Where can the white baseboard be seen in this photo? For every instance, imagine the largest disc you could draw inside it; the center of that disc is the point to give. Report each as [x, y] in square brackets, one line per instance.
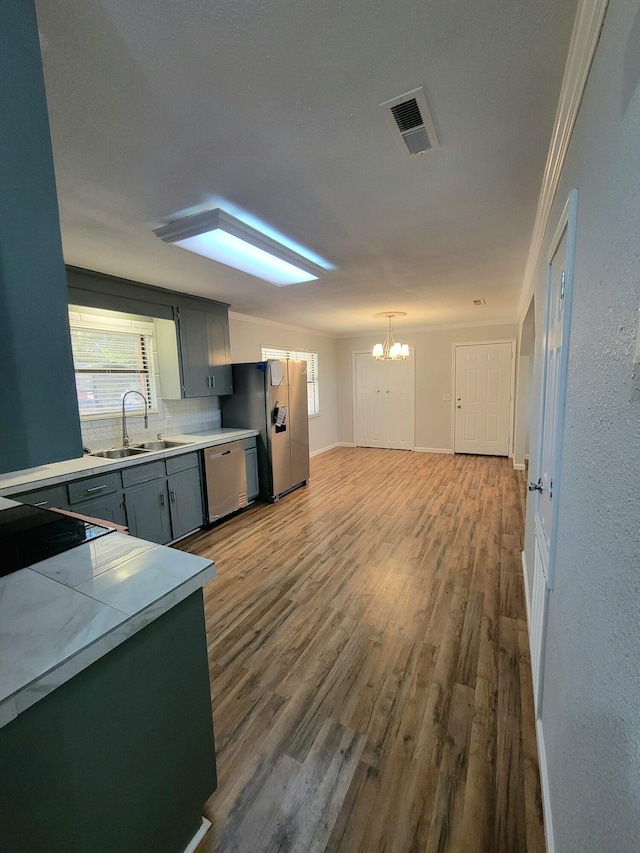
[331, 447]
[525, 575]
[519, 466]
[433, 450]
[544, 784]
[205, 826]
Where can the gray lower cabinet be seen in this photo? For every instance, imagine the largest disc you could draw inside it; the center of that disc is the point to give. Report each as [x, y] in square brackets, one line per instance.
[184, 484]
[185, 502]
[99, 497]
[147, 505]
[148, 512]
[164, 498]
[251, 459]
[159, 501]
[110, 508]
[50, 496]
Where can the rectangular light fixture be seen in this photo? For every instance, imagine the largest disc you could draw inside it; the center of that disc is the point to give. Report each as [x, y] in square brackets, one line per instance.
[221, 237]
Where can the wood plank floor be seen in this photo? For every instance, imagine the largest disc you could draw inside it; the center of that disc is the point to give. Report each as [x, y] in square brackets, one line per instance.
[369, 662]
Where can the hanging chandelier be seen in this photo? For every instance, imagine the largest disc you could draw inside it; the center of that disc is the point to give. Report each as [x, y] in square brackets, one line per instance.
[389, 350]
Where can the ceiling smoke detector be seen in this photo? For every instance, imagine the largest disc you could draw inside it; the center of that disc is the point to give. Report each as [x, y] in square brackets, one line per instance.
[410, 122]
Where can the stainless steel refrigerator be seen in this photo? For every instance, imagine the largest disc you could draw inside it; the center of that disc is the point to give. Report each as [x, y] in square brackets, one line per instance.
[271, 396]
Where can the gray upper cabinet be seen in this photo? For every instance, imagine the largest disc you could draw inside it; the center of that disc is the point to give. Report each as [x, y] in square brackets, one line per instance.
[204, 353]
[193, 348]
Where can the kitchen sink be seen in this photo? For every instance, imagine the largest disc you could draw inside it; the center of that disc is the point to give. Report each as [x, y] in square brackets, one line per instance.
[119, 452]
[162, 444]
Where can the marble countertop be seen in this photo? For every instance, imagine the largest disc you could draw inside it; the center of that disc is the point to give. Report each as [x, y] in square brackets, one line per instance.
[60, 615]
[85, 466]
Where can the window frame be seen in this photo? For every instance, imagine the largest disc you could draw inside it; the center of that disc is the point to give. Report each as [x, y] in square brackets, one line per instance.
[144, 331]
[271, 353]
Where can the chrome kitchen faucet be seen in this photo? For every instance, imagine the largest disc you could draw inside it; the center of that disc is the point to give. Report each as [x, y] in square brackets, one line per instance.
[125, 437]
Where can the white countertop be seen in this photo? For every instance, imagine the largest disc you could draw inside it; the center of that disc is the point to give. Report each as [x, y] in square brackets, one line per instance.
[60, 615]
[85, 466]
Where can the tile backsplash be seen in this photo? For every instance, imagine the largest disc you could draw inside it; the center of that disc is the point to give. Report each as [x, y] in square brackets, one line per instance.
[173, 417]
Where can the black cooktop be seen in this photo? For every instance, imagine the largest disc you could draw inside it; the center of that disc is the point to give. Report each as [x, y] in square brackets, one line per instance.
[29, 534]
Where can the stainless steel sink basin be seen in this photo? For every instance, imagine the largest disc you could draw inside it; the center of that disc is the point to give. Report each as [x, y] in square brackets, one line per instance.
[119, 452]
[161, 444]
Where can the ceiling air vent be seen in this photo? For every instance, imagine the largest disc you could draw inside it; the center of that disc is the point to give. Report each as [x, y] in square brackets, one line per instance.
[411, 124]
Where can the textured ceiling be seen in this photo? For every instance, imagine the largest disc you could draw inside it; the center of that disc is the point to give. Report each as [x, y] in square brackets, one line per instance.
[271, 107]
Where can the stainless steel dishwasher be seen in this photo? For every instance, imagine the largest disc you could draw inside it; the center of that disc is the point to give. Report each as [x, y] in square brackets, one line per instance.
[226, 478]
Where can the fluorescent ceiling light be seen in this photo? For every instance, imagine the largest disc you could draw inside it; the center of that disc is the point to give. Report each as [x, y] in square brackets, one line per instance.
[217, 235]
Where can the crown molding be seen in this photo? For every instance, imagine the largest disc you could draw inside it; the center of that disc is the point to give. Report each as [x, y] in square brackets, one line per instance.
[433, 328]
[261, 321]
[584, 41]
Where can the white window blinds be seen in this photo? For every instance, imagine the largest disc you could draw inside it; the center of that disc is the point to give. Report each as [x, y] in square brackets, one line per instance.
[313, 385]
[108, 363]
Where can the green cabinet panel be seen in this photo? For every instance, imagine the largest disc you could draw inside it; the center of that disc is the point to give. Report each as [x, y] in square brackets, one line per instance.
[147, 508]
[204, 353]
[39, 421]
[185, 502]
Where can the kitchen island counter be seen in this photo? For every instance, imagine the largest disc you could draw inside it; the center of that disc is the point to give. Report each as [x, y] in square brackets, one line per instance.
[60, 615]
[106, 732]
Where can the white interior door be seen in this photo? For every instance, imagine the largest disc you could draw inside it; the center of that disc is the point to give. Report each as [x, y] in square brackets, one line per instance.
[384, 404]
[545, 488]
[483, 380]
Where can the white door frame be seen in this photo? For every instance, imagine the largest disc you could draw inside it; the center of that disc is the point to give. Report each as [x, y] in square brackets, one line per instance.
[567, 222]
[513, 343]
[544, 575]
[354, 388]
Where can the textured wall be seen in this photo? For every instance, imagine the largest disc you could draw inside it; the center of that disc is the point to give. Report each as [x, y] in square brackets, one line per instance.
[590, 714]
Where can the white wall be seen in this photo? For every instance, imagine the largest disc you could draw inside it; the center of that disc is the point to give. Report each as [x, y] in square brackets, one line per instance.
[525, 403]
[434, 377]
[250, 334]
[591, 698]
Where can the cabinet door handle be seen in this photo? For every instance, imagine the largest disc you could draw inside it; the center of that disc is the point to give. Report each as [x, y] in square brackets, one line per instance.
[96, 489]
[172, 496]
[162, 502]
[213, 381]
[41, 503]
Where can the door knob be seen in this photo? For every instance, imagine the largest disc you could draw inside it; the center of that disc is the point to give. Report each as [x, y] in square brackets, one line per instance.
[536, 487]
[458, 406]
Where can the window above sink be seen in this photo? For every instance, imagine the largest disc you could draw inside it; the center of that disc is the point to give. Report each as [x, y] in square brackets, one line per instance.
[113, 353]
